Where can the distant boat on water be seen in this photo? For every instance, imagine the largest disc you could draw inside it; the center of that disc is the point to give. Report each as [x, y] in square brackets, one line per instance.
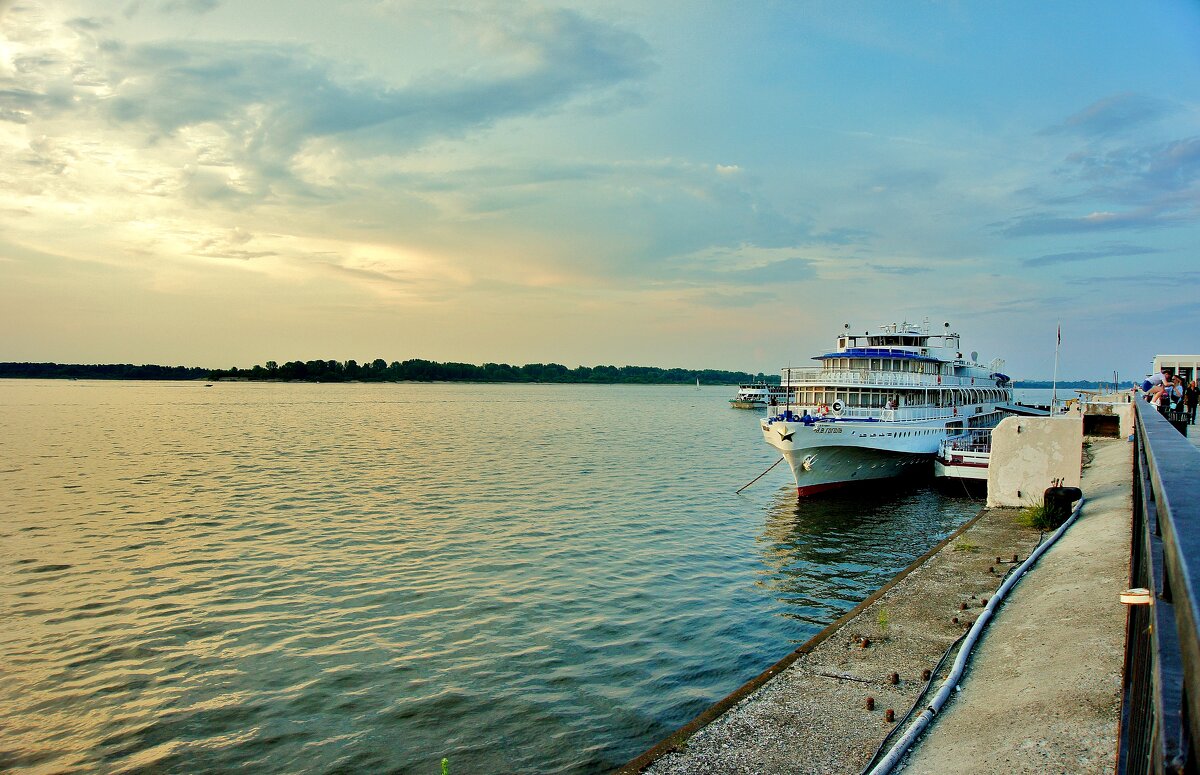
[758, 395]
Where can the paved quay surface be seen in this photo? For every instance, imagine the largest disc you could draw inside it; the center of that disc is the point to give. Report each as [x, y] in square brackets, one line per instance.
[1041, 693]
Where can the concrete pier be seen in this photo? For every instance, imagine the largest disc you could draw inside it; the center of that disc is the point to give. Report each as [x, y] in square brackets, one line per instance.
[1042, 690]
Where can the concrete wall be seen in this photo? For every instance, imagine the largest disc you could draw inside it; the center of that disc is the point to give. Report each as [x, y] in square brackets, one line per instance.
[1128, 421]
[1028, 452]
[1123, 411]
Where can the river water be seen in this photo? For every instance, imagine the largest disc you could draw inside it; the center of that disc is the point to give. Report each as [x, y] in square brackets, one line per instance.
[369, 578]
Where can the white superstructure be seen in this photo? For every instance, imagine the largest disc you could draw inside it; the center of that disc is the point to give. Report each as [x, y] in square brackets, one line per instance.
[880, 403]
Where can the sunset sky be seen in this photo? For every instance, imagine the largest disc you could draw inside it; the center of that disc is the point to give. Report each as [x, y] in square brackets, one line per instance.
[693, 184]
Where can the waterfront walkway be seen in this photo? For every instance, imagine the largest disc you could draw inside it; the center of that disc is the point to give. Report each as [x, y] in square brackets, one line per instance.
[1041, 692]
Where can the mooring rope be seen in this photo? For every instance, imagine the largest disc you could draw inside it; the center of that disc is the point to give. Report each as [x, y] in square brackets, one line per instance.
[760, 476]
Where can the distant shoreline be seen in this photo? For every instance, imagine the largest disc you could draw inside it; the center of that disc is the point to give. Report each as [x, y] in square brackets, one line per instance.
[428, 371]
[380, 371]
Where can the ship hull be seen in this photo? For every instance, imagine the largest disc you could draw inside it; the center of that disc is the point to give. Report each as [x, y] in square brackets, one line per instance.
[957, 468]
[824, 456]
[828, 467]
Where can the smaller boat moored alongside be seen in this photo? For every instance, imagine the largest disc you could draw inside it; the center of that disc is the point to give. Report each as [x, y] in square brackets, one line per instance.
[964, 456]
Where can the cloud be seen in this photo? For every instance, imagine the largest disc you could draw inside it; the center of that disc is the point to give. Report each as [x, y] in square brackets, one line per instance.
[1138, 173]
[188, 6]
[1135, 187]
[263, 102]
[732, 269]
[724, 299]
[1150, 279]
[231, 245]
[87, 24]
[1110, 250]
[788, 270]
[899, 271]
[1100, 221]
[1113, 115]
[843, 236]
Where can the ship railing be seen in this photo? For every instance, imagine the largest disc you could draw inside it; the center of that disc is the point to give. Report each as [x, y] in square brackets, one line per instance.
[970, 440]
[1160, 704]
[909, 414]
[876, 378]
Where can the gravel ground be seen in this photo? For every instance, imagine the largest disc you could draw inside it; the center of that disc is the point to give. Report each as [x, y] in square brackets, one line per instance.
[812, 717]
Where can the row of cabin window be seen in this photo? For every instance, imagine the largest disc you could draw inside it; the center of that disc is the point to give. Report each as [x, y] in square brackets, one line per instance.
[884, 364]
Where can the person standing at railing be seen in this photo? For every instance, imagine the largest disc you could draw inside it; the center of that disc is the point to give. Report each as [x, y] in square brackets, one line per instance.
[1191, 395]
[1152, 385]
[1168, 397]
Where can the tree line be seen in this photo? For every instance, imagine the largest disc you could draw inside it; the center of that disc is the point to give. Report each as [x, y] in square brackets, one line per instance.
[379, 370]
[100, 371]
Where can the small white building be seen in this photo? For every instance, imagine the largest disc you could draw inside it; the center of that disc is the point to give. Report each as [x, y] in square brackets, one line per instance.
[1186, 366]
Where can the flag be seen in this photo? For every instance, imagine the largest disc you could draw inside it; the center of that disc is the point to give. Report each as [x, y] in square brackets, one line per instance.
[1060, 333]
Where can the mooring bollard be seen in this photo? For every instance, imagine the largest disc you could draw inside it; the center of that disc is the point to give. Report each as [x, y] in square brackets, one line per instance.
[1056, 501]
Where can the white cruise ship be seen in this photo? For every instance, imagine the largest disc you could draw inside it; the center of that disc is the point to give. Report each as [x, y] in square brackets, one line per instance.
[880, 404]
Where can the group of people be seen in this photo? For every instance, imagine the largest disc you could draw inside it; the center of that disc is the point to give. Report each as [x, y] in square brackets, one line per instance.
[1167, 391]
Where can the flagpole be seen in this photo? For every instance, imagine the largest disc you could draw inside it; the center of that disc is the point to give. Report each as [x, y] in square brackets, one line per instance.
[1054, 385]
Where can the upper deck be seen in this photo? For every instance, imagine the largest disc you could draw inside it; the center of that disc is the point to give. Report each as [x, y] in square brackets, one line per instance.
[979, 377]
[898, 355]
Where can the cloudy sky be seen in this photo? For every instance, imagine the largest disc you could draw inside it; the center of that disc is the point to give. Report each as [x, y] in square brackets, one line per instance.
[695, 184]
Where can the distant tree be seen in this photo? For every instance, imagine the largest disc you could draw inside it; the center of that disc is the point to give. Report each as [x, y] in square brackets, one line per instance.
[414, 370]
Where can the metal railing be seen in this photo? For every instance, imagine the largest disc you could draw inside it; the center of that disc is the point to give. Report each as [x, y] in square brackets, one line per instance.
[1160, 705]
[904, 414]
[877, 378]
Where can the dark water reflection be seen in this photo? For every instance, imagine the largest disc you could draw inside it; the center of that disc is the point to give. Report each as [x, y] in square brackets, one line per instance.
[367, 578]
[866, 535]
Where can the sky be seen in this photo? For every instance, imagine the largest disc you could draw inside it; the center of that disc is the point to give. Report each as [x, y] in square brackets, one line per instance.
[695, 184]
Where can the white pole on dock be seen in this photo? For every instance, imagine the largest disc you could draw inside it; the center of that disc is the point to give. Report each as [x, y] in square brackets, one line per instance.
[1054, 384]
